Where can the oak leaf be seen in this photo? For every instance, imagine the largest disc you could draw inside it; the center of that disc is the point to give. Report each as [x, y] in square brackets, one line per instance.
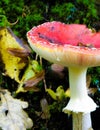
[12, 115]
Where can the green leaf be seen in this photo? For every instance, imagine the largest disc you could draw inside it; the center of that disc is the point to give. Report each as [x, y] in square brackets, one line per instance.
[58, 95]
[51, 93]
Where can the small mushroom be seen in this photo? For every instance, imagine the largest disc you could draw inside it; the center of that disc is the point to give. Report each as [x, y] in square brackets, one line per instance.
[60, 43]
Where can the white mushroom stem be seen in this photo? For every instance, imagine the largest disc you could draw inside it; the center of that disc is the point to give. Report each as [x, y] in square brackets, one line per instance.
[77, 80]
[79, 102]
[82, 121]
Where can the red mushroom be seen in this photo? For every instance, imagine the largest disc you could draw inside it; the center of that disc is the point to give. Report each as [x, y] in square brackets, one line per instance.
[74, 46]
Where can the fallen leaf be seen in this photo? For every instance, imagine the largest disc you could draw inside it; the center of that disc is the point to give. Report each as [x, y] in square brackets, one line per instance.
[51, 93]
[58, 95]
[44, 114]
[18, 52]
[12, 64]
[12, 115]
[34, 80]
[33, 74]
[45, 109]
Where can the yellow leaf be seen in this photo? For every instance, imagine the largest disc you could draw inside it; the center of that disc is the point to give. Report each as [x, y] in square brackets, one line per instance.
[60, 92]
[51, 93]
[58, 95]
[12, 64]
[20, 89]
[67, 93]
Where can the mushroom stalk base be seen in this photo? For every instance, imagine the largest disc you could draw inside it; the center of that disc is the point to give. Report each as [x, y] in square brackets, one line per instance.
[81, 121]
[79, 100]
[80, 104]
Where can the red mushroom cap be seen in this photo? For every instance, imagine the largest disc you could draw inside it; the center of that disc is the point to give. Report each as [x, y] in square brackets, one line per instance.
[66, 44]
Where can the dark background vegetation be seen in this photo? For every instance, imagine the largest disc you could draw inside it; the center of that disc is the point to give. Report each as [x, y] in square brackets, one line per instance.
[21, 16]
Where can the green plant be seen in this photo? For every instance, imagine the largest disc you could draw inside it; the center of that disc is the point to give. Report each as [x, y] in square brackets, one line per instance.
[25, 14]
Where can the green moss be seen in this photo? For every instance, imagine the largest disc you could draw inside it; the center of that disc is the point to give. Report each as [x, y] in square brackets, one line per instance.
[26, 14]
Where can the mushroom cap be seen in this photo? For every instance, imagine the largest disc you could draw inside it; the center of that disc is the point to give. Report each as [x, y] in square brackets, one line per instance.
[66, 44]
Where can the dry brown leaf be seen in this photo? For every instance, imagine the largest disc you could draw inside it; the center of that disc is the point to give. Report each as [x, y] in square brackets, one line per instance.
[44, 114]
